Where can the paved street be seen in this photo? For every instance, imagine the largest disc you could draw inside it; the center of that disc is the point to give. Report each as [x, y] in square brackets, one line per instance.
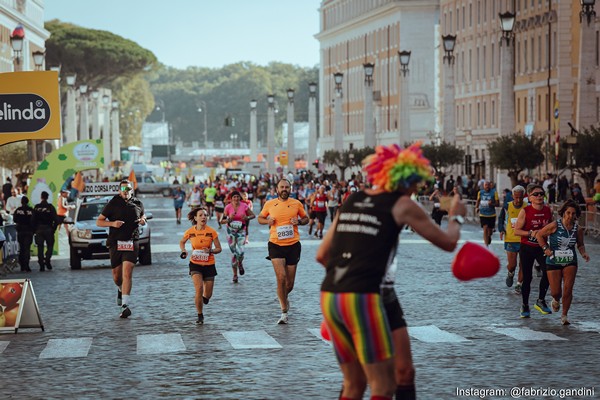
[464, 335]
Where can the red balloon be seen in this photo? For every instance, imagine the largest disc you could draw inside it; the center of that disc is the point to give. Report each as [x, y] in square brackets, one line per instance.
[474, 261]
[325, 331]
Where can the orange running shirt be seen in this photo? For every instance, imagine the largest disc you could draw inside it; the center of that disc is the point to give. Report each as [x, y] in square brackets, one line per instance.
[201, 240]
[283, 233]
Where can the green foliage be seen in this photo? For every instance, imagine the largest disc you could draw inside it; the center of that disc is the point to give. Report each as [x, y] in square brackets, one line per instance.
[226, 92]
[14, 157]
[516, 153]
[587, 155]
[443, 155]
[346, 158]
[98, 57]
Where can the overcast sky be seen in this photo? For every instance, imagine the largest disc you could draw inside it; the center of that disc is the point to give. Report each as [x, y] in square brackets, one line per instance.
[205, 33]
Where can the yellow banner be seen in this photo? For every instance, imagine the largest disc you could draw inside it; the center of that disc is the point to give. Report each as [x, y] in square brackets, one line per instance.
[29, 106]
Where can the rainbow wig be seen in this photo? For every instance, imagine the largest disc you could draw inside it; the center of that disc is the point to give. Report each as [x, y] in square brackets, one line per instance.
[392, 168]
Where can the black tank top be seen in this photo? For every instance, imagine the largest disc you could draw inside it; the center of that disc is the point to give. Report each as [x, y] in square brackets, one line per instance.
[364, 244]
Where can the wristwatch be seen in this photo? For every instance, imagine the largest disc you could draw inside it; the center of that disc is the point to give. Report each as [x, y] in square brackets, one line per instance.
[458, 218]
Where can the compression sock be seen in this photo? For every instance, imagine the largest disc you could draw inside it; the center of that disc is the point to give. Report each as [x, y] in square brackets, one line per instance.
[407, 392]
[125, 300]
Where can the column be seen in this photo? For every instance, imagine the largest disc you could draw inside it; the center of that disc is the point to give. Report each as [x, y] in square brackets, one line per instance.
[115, 132]
[369, 128]
[290, 132]
[106, 131]
[84, 123]
[271, 134]
[404, 134]
[95, 115]
[449, 122]
[71, 115]
[253, 132]
[312, 125]
[586, 93]
[507, 88]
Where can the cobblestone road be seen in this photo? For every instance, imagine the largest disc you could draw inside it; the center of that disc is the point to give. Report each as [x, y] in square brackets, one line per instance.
[464, 335]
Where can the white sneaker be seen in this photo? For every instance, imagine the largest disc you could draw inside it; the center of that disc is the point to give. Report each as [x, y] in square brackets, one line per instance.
[283, 319]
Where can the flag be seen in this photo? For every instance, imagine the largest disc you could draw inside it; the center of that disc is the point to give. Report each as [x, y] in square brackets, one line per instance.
[78, 182]
[133, 179]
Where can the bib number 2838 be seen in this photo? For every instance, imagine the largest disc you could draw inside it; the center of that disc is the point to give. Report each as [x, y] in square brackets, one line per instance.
[285, 232]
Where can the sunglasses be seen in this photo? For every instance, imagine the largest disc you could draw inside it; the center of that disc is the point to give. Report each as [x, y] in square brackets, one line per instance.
[126, 188]
[537, 194]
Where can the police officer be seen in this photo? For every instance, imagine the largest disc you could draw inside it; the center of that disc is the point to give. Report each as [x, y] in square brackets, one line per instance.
[23, 219]
[124, 213]
[44, 222]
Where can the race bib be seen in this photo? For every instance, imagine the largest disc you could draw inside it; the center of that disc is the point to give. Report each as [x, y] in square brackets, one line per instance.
[236, 224]
[285, 232]
[436, 205]
[563, 256]
[125, 245]
[219, 204]
[320, 204]
[513, 221]
[484, 203]
[200, 256]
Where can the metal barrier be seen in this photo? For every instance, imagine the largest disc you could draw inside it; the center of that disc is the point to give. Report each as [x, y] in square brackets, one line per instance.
[10, 249]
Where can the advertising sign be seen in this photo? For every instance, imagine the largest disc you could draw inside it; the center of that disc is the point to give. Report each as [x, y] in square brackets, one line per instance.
[29, 106]
[18, 306]
[101, 189]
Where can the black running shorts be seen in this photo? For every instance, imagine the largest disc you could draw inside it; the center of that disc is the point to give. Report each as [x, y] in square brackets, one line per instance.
[291, 253]
[208, 272]
[117, 257]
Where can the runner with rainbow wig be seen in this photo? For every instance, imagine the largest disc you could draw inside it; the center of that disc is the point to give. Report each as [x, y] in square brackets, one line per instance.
[358, 301]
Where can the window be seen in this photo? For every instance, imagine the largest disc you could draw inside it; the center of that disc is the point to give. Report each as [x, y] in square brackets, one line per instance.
[493, 113]
[484, 63]
[539, 109]
[547, 107]
[525, 69]
[470, 65]
[540, 52]
[518, 110]
[525, 109]
[518, 56]
[477, 64]
[596, 48]
[547, 51]
[464, 13]
[533, 54]
[478, 115]
[470, 15]
[493, 61]
[485, 114]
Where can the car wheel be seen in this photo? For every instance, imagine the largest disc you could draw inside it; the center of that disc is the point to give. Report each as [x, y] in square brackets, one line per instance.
[75, 260]
[145, 256]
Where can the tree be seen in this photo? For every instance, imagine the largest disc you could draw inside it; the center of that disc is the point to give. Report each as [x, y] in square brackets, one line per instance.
[443, 155]
[586, 156]
[346, 158]
[14, 157]
[516, 153]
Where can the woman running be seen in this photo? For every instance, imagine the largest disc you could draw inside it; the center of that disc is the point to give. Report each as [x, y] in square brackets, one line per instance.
[246, 199]
[205, 243]
[558, 240]
[236, 216]
[220, 206]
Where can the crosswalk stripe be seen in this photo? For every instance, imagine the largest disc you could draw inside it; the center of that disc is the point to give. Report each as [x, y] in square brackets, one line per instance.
[526, 334]
[3, 346]
[67, 348]
[251, 340]
[588, 326]
[433, 334]
[160, 343]
[317, 333]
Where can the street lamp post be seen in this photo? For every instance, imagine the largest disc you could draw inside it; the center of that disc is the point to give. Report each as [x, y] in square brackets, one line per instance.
[71, 111]
[370, 140]
[204, 111]
[290, 133]
[312, 123]
[404, 126]
[571, 144]
[16, 42]
[253, 131]
[507, 71]
[271, 132]
[116, 134]
[38, 59]
[106, 100]
[586, 93]
[95, 114]
[338, 138]
[449, 122]
[84, 124]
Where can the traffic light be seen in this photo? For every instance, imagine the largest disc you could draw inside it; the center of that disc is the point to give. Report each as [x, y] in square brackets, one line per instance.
[227, 121]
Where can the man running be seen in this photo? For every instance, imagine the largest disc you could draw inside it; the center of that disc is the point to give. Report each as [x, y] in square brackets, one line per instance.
[487, 200]
[123, 214]
[512, 243]
[283, 215]
[209, 198]
[530, 220]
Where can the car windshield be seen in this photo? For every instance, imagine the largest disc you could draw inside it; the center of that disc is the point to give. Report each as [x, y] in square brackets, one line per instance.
[90, 211]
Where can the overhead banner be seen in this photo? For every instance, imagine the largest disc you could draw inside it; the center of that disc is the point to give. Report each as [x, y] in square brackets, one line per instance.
[18, 306]
[29, 106]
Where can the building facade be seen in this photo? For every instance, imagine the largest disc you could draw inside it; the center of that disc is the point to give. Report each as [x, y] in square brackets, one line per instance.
[355, 32]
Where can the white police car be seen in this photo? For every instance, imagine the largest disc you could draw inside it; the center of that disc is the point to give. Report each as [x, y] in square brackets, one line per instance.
[87, 241]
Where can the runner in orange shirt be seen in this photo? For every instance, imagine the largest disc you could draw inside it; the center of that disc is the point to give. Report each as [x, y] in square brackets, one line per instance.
[205, 243]
[283, 215]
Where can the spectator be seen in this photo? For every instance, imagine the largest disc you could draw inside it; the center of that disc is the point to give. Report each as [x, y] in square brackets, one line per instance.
[6, 189]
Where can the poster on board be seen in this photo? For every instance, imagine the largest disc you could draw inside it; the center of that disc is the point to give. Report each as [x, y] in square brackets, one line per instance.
[18, 306]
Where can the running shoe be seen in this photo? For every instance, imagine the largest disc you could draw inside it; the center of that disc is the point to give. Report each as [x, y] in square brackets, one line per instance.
[125, 311]
[205, 300]
[518, 288]
[200, 319]
[564, 320]
[510, 277]
[542, 307]
[119, 297]
[241, 268]
[310, 230]
[555, 305]
[235, 279]
[525, 311]
[283, 320]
